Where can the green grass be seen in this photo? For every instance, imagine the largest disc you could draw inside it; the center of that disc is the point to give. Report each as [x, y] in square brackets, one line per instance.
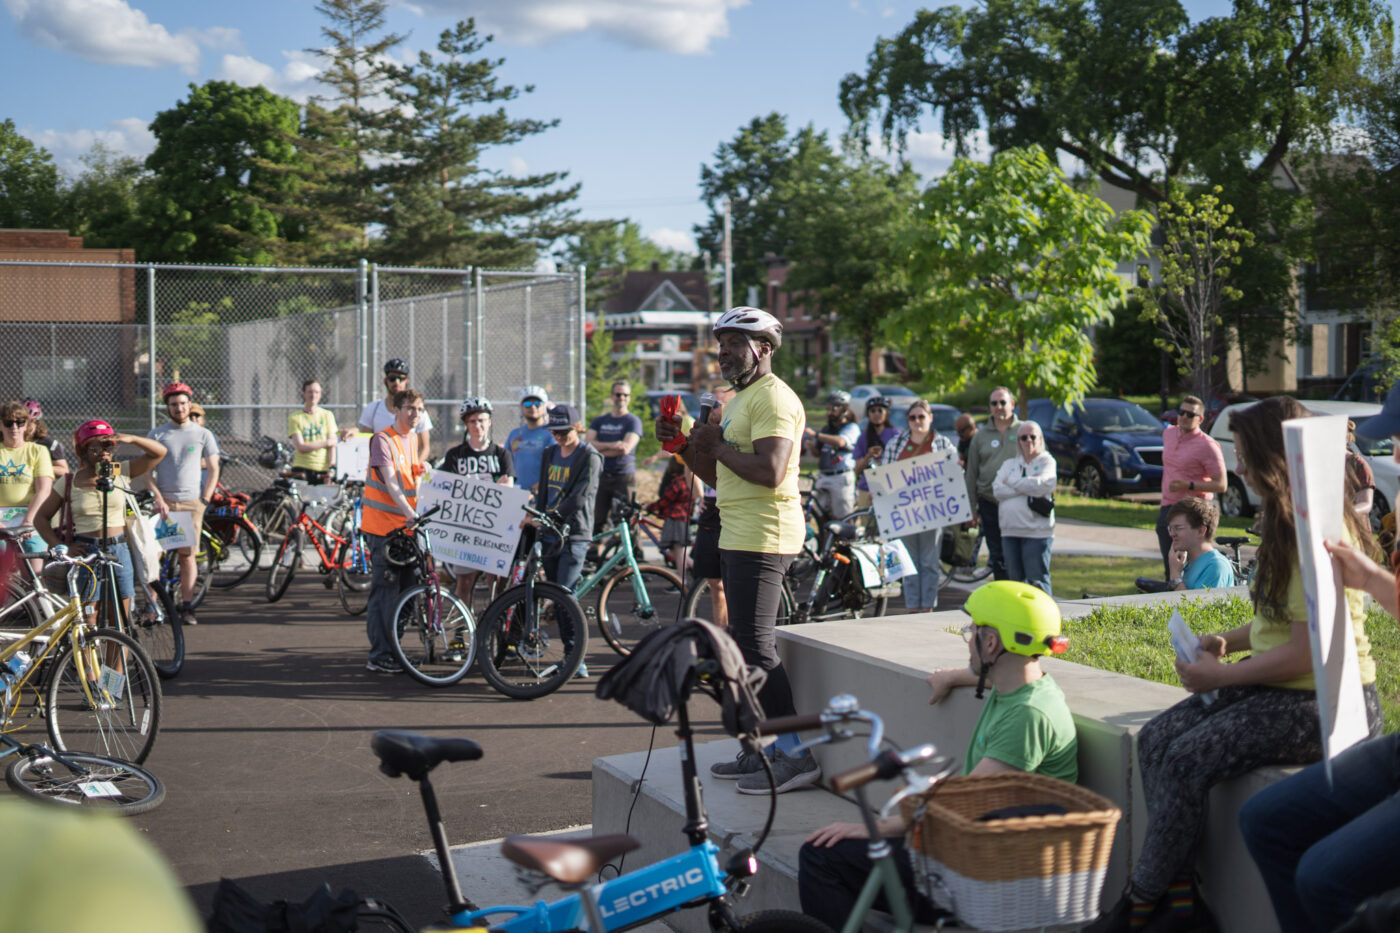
[1073, 575]
[1124, 513]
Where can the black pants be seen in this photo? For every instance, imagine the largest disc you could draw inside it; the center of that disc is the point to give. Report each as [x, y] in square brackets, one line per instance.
[753, 592]
[989, 515]
[1164, 540]
[611, 486]
[829, 880]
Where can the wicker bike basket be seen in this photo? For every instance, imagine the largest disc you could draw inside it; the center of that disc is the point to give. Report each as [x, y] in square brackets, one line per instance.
[1011, 874]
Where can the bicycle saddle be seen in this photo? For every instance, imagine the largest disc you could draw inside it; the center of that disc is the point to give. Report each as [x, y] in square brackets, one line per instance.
[1232, 542]
[415, 755]
[568, 861]
[843, 530]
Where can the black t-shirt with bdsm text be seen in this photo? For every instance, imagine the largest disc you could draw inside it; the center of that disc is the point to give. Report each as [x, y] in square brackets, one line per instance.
[494, 461]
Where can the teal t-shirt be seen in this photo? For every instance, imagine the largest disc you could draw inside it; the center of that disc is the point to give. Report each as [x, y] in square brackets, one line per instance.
[1029, 728]
[1210, 570]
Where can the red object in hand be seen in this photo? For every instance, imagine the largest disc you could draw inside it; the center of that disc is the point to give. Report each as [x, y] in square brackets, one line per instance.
[670, 411]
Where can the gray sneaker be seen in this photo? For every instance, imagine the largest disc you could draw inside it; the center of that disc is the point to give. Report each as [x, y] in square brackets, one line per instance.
[742, 764]
[788, 774]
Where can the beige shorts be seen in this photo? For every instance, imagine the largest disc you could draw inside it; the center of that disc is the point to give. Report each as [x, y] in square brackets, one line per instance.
[196, 508]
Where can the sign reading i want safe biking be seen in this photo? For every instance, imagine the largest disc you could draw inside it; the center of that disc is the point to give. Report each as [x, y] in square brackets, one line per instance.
[479, 525]
[919, 494]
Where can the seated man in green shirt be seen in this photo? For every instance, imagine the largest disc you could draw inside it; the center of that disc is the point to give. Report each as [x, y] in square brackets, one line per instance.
[1024, 726]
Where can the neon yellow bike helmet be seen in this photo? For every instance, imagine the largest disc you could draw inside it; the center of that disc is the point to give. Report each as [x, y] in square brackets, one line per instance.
[1025, 617]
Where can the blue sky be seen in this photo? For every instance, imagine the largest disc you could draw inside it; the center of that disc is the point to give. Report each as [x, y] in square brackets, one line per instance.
[644, 90]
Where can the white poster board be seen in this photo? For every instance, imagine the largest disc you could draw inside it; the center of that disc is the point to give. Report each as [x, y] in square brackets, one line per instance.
[175, 530]
[1316, 451]
[478, 526]
[919, 494]
[13, 516]
[352, 457]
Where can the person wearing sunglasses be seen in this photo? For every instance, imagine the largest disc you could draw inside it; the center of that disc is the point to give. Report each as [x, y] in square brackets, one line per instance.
[992, 446]
[26, 476]
[528, 441]
[95, 443]
[381, 413]
[1026, 535]
[1192, 465]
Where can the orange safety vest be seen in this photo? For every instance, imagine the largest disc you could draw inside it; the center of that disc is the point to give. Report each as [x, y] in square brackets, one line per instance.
[380, 515]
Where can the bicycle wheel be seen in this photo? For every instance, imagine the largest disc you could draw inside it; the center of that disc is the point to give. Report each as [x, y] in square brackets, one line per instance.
[155, 622]
[434, 635]
[240, 550]
[961, 573]
[353, 575]
[831, 602]
[272, 517]
[113, 710]
[280, 574]
[699, 606]
[528, 654]
[82, 780]
[202, 573]
[780, 921]
[622, 616]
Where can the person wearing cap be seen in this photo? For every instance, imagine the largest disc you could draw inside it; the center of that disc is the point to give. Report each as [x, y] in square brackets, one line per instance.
[567, 488]
[26, 474]
[390, 502]
[1325, 842]
[871, 445]
[380, 413]
[835, 484]
[95, 442]
[528, 441]
[615, 434]
[480, 457]
[752, 459]
[38, 432]
[1025, 725]
[185, 480]
[1192, 465]
[313, 433]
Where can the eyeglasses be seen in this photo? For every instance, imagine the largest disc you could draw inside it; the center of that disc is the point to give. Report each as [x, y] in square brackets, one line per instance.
[414, 411]
[531, 403]
[1177, 529]
[621, 395]
[15, 424]
[1187, 413]
[968, 631]
[1027, 437]
[999, 403]
[918, 417]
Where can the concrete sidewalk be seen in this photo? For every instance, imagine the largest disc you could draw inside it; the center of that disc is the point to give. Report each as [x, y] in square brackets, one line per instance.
[1073, 536]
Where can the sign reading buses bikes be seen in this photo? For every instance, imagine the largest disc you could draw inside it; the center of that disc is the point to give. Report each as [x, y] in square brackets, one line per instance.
[919, 494]
[479, 524]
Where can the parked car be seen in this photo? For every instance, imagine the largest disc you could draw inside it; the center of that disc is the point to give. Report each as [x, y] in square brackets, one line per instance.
[862, 394]
[1239, 500]
[1107, 446]
[690, 400]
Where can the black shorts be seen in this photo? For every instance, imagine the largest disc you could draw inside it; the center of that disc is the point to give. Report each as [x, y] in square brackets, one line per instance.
[314, 477]
[704, 554]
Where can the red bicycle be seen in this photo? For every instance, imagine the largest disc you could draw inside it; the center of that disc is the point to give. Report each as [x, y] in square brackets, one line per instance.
[340, 545]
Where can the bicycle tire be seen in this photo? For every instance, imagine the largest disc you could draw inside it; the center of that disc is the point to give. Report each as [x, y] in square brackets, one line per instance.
[780, 921]
[243, 545]
[828, 605]
[620, 616]
[961, 573]
[68, 781]
[353, 575]
[156, 624]
[284, 567]
[698, 606]
[435, 649]
[272, 517]
[526, 663]
[126, 722]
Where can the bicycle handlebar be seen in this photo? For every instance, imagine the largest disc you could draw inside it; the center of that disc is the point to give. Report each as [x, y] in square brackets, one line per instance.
[889, 763]
[800, 722]
[841, 710]
[552, 523]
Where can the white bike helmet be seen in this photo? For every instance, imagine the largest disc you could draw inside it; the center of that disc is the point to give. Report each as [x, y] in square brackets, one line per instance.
[471, 405]
[751, 321]
[535, 392]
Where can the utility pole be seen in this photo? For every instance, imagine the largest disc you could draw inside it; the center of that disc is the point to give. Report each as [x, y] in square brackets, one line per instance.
[728, 259]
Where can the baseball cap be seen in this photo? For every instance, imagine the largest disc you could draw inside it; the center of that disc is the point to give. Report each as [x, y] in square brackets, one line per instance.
[534, 392]
[562, 417]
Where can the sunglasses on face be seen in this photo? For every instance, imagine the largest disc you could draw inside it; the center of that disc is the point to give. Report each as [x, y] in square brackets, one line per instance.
[395, 378]
[1187, 413]
[531, 404]
[1000, 403]
[15, 424]
[1026, 438]
[101, 445]
[918, 417]
[562, 432]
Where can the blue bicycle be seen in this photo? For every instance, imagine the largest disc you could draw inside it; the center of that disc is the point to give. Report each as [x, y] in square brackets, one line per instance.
[693, 879]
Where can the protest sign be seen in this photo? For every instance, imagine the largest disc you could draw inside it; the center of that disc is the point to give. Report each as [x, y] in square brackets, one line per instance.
[13, 516]
[176, 530]
[919, 494]
[352, 458]
[478, 526]
[1316, 452]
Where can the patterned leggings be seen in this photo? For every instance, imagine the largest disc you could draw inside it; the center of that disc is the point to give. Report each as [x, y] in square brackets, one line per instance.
[1186, 750]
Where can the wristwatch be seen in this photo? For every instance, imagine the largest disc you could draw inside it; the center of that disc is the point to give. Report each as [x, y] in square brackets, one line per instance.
[204, 500]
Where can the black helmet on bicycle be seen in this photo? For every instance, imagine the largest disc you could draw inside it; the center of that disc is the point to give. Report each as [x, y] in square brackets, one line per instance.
[400, 550]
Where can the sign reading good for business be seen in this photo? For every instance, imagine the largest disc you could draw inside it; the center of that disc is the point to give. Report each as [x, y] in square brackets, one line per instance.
[478, 526]
[175, 530]
[352, 457]
[919, 494]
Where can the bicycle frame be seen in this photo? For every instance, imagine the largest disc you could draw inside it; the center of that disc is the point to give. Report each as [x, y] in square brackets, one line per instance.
[623, 554]
[318, 534]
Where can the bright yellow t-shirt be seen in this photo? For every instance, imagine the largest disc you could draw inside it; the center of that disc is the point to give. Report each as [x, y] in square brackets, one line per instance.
[19, 468]
[754, 517]
[317, 426]
[1266, 633]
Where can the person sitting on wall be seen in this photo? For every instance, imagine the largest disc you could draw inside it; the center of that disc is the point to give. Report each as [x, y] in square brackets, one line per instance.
[1196, 563]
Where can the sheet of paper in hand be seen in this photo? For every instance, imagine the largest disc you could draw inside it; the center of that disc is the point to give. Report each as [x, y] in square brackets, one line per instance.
[1316, 451]
[478, 526]
[175, 530]
[919, 494]
[352, 458]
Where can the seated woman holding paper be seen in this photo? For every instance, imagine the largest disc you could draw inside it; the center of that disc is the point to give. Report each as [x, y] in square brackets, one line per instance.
[1256, 712]
[921, 589]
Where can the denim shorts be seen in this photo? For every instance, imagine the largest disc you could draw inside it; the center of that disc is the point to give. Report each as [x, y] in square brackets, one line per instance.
[125, 587]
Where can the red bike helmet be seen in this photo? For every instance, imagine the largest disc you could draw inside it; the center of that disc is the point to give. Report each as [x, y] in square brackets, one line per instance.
[176, 388]
[90, 429]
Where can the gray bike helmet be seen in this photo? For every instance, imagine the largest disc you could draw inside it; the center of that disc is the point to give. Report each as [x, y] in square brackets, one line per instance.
[838, 397]
[471, 405]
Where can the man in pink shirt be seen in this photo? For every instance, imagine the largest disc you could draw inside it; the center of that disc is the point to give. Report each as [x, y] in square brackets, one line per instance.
[1192, 465]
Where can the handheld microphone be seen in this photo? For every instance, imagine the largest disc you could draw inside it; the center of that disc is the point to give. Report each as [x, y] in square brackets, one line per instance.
[707, 405]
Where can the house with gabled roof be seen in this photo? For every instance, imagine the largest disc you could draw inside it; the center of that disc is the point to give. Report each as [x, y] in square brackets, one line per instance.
[662, 321]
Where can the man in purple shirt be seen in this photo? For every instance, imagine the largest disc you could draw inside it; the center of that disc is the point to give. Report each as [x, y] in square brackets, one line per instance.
[1192, 465]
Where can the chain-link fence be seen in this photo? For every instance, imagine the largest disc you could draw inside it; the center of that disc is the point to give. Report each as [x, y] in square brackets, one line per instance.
[78, 337]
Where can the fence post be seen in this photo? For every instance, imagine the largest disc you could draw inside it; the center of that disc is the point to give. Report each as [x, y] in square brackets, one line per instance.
[361, 334]
[376, 326]
[151, 338]
[578, 367]
[479, 347]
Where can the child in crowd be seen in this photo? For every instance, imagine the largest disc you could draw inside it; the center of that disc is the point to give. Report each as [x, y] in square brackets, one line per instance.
[679, 493]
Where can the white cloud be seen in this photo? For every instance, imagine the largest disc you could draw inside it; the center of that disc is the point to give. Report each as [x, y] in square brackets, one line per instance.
[930, 153]
[685, 27]
[676, 240]
[887, 12]
[518, 166]
[296, 79]
[129, 136]
[112, 32]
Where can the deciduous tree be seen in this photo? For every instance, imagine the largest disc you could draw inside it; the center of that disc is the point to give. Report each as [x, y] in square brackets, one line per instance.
[29, 181]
